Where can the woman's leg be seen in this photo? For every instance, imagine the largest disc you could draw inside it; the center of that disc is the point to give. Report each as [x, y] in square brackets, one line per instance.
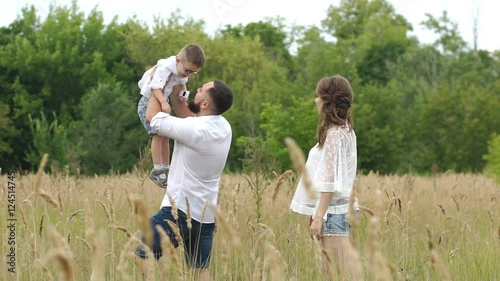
[337, 247]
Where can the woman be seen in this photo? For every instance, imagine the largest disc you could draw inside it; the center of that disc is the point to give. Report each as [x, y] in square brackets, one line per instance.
[331, 166]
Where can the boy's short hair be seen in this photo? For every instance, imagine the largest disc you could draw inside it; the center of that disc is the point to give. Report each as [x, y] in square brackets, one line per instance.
[194, 54]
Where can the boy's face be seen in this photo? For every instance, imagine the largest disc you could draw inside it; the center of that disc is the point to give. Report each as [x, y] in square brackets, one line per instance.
[185, 68]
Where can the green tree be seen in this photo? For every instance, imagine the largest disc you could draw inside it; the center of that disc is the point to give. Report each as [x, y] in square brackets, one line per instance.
[298, 121]
[449, 40]
[254, 79]
[48, 137]
[319, 58]
[370, 37]
[109, 136]
[377, 66]
[454, 128]
[274, 39]
[377, 120]
[415, 104]
[6, 137]
[350, 19]
[51, 64]
[493, 158]
[145, 45]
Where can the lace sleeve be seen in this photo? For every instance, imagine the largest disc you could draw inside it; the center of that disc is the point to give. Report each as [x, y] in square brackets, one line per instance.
[331, 169]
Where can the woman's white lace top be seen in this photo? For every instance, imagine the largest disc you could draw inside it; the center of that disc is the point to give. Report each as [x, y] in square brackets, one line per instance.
[330, 169]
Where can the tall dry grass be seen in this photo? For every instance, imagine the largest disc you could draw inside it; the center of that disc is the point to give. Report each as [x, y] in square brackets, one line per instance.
[445, 227]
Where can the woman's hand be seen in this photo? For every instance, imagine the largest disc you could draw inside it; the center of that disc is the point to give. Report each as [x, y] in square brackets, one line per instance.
[315, 228]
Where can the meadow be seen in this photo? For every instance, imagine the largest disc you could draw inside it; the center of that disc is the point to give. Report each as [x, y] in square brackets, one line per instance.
[441, 227]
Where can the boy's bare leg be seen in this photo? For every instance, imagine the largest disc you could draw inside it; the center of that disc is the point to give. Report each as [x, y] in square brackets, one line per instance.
[160, 148]
[154, 107]
[165, 151]
[157, 149]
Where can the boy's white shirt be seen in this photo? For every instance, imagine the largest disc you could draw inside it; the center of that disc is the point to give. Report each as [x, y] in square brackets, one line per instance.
[164, 67]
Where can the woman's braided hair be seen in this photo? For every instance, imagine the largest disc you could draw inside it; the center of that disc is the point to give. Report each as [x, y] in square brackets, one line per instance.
[337, 96]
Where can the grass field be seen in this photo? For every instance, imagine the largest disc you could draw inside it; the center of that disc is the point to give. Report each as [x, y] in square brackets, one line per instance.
[444, 227]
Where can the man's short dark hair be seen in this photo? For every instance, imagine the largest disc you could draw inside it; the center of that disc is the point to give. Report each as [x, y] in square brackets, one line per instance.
[222, 96]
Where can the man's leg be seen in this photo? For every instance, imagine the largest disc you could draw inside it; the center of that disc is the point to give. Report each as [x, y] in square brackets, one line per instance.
[141, 263]
[199, 249]
[143, 256]
[201, 274]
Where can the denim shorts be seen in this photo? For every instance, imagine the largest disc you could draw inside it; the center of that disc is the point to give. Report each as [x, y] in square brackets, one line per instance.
[141, 111]
[197, 240]
[336, 225]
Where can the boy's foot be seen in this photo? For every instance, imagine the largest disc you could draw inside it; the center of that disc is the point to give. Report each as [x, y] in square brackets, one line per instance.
[160, 177]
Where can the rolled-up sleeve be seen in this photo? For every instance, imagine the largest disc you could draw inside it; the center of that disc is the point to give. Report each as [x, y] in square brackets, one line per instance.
[161, 75]
[180, 129]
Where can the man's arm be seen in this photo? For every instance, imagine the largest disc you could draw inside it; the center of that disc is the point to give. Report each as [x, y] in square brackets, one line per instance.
[180, 104]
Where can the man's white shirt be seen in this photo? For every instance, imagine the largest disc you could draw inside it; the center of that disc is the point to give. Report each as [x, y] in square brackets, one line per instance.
[200, 152]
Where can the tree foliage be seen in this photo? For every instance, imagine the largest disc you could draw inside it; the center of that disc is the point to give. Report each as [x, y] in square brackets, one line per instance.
[109, 135]
[49, 137]
[493, 157]
[69, 84]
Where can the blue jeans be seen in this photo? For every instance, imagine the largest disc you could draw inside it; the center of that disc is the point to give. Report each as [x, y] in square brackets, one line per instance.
[141, 111]
[197, 240]
[336, 225]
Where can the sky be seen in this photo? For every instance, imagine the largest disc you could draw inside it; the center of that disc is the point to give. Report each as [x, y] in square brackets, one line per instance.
[218, 13]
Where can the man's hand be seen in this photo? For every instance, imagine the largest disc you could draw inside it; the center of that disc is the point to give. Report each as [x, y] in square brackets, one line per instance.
[156, 121]
[179, 103]
[183, 96]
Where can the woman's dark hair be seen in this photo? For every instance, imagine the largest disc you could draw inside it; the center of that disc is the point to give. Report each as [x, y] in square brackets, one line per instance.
[222, 96]
[337, 96]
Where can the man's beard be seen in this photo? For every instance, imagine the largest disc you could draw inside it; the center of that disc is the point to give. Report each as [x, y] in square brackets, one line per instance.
[194, 107]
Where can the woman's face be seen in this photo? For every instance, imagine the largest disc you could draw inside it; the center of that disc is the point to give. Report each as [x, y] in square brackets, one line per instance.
[319, 103]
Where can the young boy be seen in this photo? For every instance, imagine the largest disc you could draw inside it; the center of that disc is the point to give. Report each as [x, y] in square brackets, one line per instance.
[159, 82]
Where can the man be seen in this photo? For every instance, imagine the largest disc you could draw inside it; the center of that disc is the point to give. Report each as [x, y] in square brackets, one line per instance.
[201, 146]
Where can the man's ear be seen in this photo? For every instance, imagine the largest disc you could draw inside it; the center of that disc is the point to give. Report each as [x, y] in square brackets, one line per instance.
[205, 104]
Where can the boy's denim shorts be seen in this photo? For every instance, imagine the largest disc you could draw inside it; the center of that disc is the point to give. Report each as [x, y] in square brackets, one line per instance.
[336, 225]
[141, 111]
[197, 240]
